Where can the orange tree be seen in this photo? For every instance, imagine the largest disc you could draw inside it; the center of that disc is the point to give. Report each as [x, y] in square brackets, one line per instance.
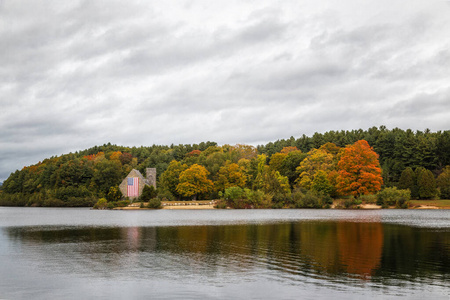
[359, 171]
[194, 181]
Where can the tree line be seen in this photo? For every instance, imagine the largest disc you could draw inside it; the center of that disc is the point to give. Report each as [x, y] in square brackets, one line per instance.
[303, 172]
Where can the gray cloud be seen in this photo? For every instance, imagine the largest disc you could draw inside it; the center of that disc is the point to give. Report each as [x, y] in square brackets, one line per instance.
[82, 73]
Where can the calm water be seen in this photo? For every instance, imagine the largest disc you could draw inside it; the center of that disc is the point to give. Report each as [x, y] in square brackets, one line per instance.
[49, 253]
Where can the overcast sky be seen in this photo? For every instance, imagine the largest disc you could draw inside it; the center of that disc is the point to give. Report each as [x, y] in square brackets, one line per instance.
[74, 74]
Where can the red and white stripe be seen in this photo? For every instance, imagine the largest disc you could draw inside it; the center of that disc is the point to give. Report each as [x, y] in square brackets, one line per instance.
[133, 189]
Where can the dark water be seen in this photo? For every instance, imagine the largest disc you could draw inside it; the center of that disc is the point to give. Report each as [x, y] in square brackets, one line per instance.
[50, 253]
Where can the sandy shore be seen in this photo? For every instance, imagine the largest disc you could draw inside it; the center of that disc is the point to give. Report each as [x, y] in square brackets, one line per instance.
[189, 207]
[169, 207]
[128, 208]
[370, 206]
[427, 207]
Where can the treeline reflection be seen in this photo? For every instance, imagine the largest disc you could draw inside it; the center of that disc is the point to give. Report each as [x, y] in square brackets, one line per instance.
[370, 251]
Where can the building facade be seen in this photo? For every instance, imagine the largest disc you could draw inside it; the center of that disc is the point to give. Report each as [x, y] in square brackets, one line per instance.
[134, 183]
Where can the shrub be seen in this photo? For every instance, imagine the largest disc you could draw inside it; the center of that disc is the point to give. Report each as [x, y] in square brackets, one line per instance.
[394, 197]
[277, 205]
[372, 198]
[352, 202]
[122, 203]
[309, 199]
[233, 193]
[102, 203]
[114, 194]
[258, 199]
[221, 204]
[237, 197]
[149, 192]
[165, 195]
[279, 200]
[154, 203]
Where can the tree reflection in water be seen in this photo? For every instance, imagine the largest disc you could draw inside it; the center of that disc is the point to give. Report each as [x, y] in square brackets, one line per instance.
[332, 250]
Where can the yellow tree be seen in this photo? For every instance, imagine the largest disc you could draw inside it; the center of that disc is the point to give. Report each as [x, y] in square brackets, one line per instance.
[359, 171]
[270, 181]
[276, 161]
[229, 175]
[115, 155]
[245, 151]
[171, 177]
[317, 160]
[194, 181]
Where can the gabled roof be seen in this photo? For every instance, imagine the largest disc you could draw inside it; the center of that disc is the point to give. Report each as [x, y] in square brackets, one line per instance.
[138, 174]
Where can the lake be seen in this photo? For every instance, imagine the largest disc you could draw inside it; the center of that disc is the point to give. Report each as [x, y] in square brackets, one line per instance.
[78, 253]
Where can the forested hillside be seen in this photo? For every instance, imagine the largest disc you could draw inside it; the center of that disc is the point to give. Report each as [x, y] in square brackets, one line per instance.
[266, 175]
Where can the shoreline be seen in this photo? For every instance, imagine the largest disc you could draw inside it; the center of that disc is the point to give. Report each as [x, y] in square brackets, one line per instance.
[197, 206]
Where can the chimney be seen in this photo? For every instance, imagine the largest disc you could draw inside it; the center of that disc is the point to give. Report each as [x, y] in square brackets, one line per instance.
[151, 176]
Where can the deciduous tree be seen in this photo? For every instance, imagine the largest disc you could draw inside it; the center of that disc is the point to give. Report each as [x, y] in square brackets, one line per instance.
[194, 181]
[170, 178]
[315, 161]
[359, 170]
[230, 174]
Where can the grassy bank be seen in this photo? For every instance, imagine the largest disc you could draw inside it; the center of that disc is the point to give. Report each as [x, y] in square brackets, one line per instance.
[443, 204]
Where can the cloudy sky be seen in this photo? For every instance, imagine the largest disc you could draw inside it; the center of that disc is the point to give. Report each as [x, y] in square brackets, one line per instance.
[74, 74]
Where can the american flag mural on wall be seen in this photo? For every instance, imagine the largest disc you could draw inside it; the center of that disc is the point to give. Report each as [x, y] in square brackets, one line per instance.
[133, 187]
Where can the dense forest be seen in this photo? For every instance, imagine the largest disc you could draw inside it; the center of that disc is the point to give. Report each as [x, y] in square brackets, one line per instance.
[292, 171]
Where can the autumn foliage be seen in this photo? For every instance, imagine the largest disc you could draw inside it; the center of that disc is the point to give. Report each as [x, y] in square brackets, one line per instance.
[194, 181]
[359, 171]
[319, 167]
[93, 156]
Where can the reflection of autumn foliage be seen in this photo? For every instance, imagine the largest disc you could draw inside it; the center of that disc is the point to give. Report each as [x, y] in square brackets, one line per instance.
[319, 243]
[360, 247]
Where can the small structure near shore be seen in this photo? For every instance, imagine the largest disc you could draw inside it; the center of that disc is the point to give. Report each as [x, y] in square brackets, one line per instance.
[134, 183]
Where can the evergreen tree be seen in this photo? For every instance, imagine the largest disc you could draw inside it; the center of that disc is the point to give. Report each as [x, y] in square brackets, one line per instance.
[149, 192]
[426, 184]
[408, 181]
[443, 183]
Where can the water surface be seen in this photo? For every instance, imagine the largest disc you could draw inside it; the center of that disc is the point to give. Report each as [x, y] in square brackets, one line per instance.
[222, 254]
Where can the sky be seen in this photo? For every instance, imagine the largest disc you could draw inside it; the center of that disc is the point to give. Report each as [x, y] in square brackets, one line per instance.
[75, 74]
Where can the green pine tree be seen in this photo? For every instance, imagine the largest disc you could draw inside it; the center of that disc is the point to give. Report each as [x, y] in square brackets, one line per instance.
[408, 181]
[426, 184]
[443, 182]
[149, 192]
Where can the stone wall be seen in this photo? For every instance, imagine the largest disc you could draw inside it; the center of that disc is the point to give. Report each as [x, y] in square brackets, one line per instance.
[142, 182]
[151, 176]
[150, 180]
